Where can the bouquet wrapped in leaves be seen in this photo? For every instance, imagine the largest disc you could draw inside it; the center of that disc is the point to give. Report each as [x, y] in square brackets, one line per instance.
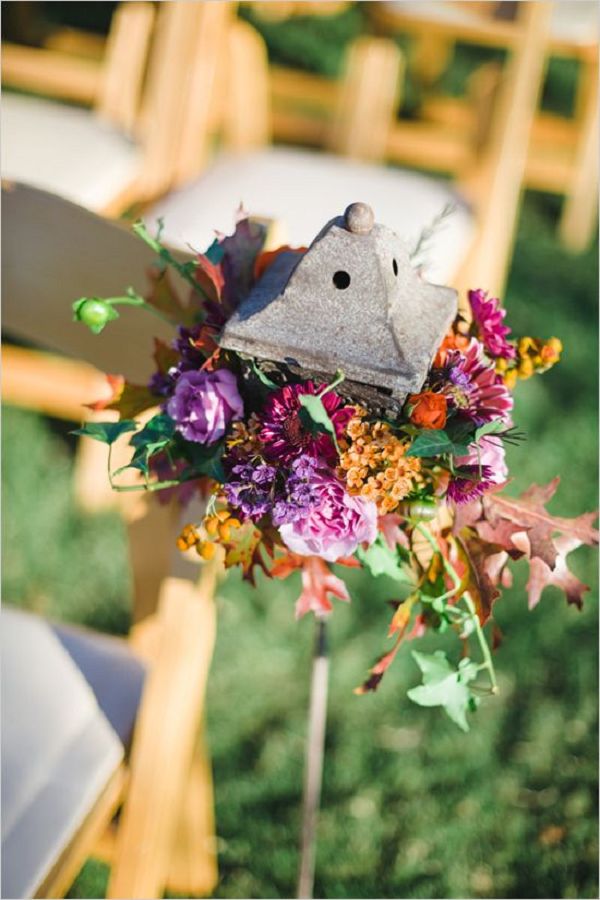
[332, 407]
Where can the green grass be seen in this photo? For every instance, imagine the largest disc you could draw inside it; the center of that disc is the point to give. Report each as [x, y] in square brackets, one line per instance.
[411, 806]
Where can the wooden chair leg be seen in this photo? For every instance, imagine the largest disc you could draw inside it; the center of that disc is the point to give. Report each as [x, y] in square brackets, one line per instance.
[580, 210]
[164, 741]
[193, 867]
[368, 99]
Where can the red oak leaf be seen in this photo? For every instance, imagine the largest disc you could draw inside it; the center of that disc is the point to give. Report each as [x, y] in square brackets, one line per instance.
[389, 525]
[317, 583]
[528, 513]
[485, 563]
[541, 575]
[244, 549]
[163, 297]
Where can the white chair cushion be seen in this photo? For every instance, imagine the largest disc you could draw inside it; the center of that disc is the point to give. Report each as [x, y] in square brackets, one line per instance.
[304, 190]
[65, 150]
[58, 751]
[571, 21]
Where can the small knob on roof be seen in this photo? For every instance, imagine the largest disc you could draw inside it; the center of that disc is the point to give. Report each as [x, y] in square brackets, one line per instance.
[359, 218]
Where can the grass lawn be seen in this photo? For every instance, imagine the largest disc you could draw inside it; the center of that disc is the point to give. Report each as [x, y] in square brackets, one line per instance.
[411, 806]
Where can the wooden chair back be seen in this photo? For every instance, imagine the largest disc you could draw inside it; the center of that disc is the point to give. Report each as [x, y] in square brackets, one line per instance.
[54, 251]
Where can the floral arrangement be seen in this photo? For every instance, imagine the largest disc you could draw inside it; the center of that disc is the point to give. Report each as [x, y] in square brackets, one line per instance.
[299, 475]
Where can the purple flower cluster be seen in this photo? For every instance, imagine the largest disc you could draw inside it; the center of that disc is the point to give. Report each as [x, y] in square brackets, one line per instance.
[256, 489]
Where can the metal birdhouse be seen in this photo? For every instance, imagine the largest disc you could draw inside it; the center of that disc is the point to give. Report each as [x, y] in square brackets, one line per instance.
[352, 302]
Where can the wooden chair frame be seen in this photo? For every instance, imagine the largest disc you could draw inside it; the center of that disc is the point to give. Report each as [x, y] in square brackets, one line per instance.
[562, 152]
[137, 83]
[164, 837]
[165, 834]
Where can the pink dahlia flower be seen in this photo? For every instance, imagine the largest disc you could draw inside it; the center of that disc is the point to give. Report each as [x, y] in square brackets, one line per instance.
[337, 523]
[204, 403]
[477, 472]
[283, 434]
[474, 389]
[488, 319]
[491, 454]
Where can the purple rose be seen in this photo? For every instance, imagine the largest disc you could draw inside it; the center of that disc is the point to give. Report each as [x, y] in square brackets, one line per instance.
[204, 403]
[335, 525]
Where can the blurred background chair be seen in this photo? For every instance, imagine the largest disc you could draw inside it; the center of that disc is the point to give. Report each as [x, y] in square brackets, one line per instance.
[563, 150]
[305, 189]
[92, 724]
[121, 145]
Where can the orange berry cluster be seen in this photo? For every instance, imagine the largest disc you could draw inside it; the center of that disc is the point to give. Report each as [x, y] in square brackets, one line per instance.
[374, 464]
[218, 525]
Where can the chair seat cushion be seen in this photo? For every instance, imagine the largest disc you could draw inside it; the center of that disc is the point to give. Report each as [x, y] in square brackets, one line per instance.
[572, 22]
[304, 190]
[114, 673]
[65, 150]
[58, 751]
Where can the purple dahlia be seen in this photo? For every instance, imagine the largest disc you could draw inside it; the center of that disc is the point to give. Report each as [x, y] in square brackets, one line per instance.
[283, 433]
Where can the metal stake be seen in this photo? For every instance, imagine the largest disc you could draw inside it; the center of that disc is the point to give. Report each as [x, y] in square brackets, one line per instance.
[313, 771]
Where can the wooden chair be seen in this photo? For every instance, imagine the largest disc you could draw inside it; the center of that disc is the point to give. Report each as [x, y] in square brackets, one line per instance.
[54, 251]
[305, 189]
[562, 155]
[123, 147]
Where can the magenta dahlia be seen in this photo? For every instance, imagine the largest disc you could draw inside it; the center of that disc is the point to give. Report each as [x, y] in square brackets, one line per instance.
[284, 435]
[488, 319]
[473, 388]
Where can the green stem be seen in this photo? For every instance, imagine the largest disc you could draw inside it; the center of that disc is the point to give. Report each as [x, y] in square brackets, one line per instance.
[483, 644]
[140, 229]
[137, 300]
[339, 377]
[450, 570]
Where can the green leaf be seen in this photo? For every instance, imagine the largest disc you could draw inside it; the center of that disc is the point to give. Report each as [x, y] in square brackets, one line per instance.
[261, 376]
[489, 428]
[106, 432]
[430, 443]
[316, 414]
[380, 559]
[156, 434]
[444, 685]
[160, 428]
[206, 460]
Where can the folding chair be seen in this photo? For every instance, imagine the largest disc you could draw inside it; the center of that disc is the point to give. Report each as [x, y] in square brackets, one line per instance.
[123, 147]
[93, 723]
[304, 189]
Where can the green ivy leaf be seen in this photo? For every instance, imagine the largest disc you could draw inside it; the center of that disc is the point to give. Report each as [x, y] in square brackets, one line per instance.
[444, 685]
[106, 432]
[206, 460]
[380, 559]
[316, 417]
